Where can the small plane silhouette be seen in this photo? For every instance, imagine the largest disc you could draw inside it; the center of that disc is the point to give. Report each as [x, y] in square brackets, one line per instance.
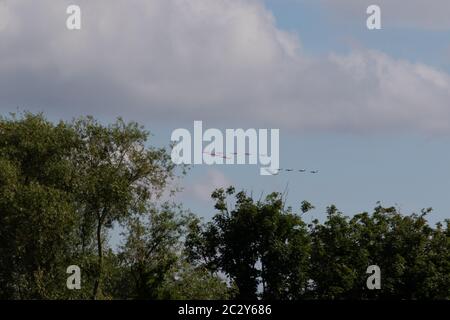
[291, 170]
[246, 154]
[218, 154]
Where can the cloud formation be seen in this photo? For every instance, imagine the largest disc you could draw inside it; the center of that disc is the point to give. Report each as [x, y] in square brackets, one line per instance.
[224, 60]
[202, 188]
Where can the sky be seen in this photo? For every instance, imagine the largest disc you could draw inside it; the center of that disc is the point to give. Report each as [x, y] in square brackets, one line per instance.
[369, 109]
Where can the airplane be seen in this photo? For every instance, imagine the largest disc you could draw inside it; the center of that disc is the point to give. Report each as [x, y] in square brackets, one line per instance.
[300, 170]
[214, 154]
[246, 154]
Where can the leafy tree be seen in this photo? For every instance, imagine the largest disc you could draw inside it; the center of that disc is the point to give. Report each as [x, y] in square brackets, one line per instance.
[187, 282]
[153, 264]
[118, 176]
[37, 214]
[411, 255]
[61, 187]
[335, 260]
[254, 244]
[64, 186]
[437, 285]
[150, 251]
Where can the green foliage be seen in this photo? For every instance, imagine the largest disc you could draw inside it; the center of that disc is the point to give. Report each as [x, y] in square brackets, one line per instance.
[336, 262]
[152, 261]
[256, 243]
[150, 251]
[61, 186]
[186, 282]
[38, 218]
[267, 251]
[118, 176]
[64, 186]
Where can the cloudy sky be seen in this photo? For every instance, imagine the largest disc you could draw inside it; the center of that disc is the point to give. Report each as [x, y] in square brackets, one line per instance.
[369, 109]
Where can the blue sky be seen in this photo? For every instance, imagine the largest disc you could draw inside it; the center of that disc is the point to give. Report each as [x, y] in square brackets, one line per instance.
[321, 32]
[369, 109]
[408, 171]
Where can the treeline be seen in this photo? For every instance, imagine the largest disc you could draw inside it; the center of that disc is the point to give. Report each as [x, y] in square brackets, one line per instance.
[65, 186]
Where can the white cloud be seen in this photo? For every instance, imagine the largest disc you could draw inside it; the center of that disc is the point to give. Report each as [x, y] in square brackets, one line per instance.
[218, 60]
[4, 16]
[202, 188]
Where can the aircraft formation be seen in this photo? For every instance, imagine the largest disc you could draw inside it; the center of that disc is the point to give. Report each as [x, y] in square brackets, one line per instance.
[279, 170]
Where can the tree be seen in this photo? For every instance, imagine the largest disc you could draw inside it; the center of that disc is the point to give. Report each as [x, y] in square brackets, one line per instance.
[61, 186]
[187, 282]
[153, 264]
[254, 244]
[412, 256]
[64, 185]
[437, 285]
[336, 262]
[37, 213]
[150, 251]
[118, 176]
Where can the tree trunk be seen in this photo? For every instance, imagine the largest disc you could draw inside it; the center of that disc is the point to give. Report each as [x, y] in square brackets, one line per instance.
[100, 260]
